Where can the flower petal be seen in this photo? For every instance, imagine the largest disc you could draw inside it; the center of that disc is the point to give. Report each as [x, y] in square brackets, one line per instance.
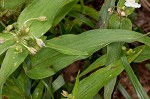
[132, 4]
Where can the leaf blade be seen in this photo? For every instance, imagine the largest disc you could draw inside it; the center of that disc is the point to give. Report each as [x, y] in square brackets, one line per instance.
[136, 84]
[11, 62]
[88, 87]
[50, 57]
[6, 41]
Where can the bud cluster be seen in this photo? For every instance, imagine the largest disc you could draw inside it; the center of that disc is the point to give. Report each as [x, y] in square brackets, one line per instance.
[129, 51]
[24, 37]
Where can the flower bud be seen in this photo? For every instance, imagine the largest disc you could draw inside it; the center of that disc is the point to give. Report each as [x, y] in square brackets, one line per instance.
[110, 10]
[9, 27]
[32, 50]
[124, 48]
[65, 93]
[130, 52]
[40, 43]
[18, 48]
[42, 18]
[122, 13]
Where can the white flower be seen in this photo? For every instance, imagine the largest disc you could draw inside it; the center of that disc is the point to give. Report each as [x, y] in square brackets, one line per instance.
[132, 3]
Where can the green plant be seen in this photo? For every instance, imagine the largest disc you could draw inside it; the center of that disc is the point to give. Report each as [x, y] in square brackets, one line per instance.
[32, 55]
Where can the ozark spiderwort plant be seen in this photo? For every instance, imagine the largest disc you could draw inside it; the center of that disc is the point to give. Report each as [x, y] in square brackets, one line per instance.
[31, 57]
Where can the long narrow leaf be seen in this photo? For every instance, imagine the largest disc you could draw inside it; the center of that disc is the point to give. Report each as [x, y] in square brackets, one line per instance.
[64, 10]
[98, 63]
[38, 92]
[135, 82]
[88, 87]
[11, 62]
[8, 4]
[145, 55]
[48, 8]
[123, 91]
[109, 87]
[82, 18]
[48, 89]
[58, 83]
[66, 50]
[96, 40]
[76, 87]
[87, 11]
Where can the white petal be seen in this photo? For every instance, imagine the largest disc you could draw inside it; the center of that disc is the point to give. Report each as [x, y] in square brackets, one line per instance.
[132, 4]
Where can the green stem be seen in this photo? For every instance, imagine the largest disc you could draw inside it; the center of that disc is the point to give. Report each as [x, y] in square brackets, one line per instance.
[30, 20]
[82, 6]
[1, 92]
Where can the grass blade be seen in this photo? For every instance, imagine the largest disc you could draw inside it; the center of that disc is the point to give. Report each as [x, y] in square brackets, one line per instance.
[38, 92]
[89, 86]
[58, 83]
[109, 87]
[82, 18]
[76, 87]
[135, 82]
[48, 89]
[96, 64]
[123, 91]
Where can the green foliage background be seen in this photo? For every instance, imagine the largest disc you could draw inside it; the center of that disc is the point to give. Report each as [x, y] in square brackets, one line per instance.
[24, 75]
